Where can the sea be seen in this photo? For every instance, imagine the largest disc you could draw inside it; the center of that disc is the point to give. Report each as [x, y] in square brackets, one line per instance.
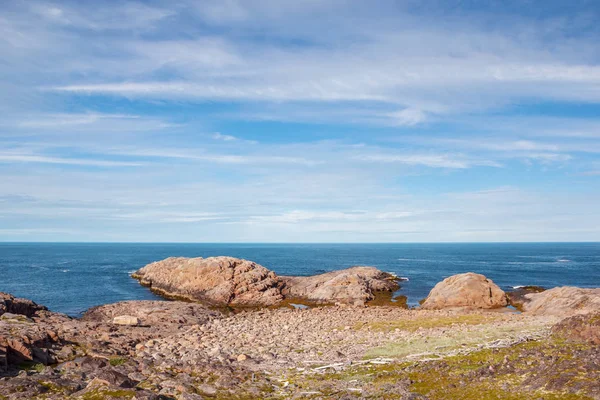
[72, 277]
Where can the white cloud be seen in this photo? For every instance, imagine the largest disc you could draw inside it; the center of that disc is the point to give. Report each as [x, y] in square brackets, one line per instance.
[40, 159]
[408, 117]
[226, 138]
[428, 160]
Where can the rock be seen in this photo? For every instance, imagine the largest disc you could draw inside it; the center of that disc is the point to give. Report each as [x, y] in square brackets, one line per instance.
[579, 328]
[516, 297]
[228, 281]
[242, 357]
[465, 290]
[207, 389]
[154, 313]
[14, 305]
[563, 301]
[214, 280]
[355, 285]
[14, 317]
[126, 320]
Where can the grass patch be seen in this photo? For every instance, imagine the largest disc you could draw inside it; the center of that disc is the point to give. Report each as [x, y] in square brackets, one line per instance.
[412, 325]
[100, 394]
[511, 373]
[450, 341]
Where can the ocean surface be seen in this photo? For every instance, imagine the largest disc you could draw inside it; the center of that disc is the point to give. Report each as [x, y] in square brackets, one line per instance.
[71, 277]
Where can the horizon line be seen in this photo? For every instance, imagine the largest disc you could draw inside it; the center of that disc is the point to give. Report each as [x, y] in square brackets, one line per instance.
[220, 243]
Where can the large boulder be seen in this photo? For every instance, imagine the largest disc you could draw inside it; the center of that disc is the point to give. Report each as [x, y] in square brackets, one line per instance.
[224, 281]
[563, 301]
[465, 290]
[355, 285]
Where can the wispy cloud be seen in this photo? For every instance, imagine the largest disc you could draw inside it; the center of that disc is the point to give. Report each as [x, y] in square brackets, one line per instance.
[313, 120]
[39, 159]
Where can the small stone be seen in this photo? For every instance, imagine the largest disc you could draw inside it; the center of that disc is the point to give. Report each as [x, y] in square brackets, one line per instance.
[126, 320]
[242, 357]
[207, 389]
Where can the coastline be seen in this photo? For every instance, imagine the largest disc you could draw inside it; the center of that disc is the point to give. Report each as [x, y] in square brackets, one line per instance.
[462, 343]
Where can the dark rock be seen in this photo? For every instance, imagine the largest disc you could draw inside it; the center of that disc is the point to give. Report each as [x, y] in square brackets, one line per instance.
[516, 297]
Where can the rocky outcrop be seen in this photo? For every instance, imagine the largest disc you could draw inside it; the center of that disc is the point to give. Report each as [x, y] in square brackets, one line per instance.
[156, 314]
[223, 281]
[228, 281]
[22, 338]
[579, 328]
[355, 285]
[465, 290]
[15, 305]
[563, 301]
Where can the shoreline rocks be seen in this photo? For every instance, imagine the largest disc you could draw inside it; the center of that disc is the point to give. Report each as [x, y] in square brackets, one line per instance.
[233, 282]
[465, 290]
[219, 281]
[562, 301]
[355, 285]
[516, 297]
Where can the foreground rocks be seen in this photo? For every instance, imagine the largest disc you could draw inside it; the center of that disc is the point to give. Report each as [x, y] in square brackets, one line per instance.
[465, 290]
[228, 281]
[180, 350]
[27, 332]
[580, 328]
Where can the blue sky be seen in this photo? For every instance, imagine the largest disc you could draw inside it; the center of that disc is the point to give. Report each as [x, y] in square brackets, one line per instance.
[299, 121]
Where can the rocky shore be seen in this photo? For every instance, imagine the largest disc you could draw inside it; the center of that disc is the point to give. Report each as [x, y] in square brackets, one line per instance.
[463, 343]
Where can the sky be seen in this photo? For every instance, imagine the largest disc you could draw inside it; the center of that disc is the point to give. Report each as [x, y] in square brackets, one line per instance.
[300, 121]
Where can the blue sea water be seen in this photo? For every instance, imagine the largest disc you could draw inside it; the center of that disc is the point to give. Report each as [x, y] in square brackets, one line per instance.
[71, 277]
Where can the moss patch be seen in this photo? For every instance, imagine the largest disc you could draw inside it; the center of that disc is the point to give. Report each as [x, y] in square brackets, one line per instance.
[547, 369]
[105, 394]
[116, 361]
[412, 325]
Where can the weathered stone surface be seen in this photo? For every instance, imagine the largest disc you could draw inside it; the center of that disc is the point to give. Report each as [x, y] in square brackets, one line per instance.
[563, 301]
[465, 290]
[126, 320]
[214, 280]
[162, 314]
[579, 328]
[355, 285]
[235, 282]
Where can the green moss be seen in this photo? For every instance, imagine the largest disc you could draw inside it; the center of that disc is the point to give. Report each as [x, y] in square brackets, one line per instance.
[32, 366]
[52, 387]
[116, 361]
[498, 374]
[100, 394]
